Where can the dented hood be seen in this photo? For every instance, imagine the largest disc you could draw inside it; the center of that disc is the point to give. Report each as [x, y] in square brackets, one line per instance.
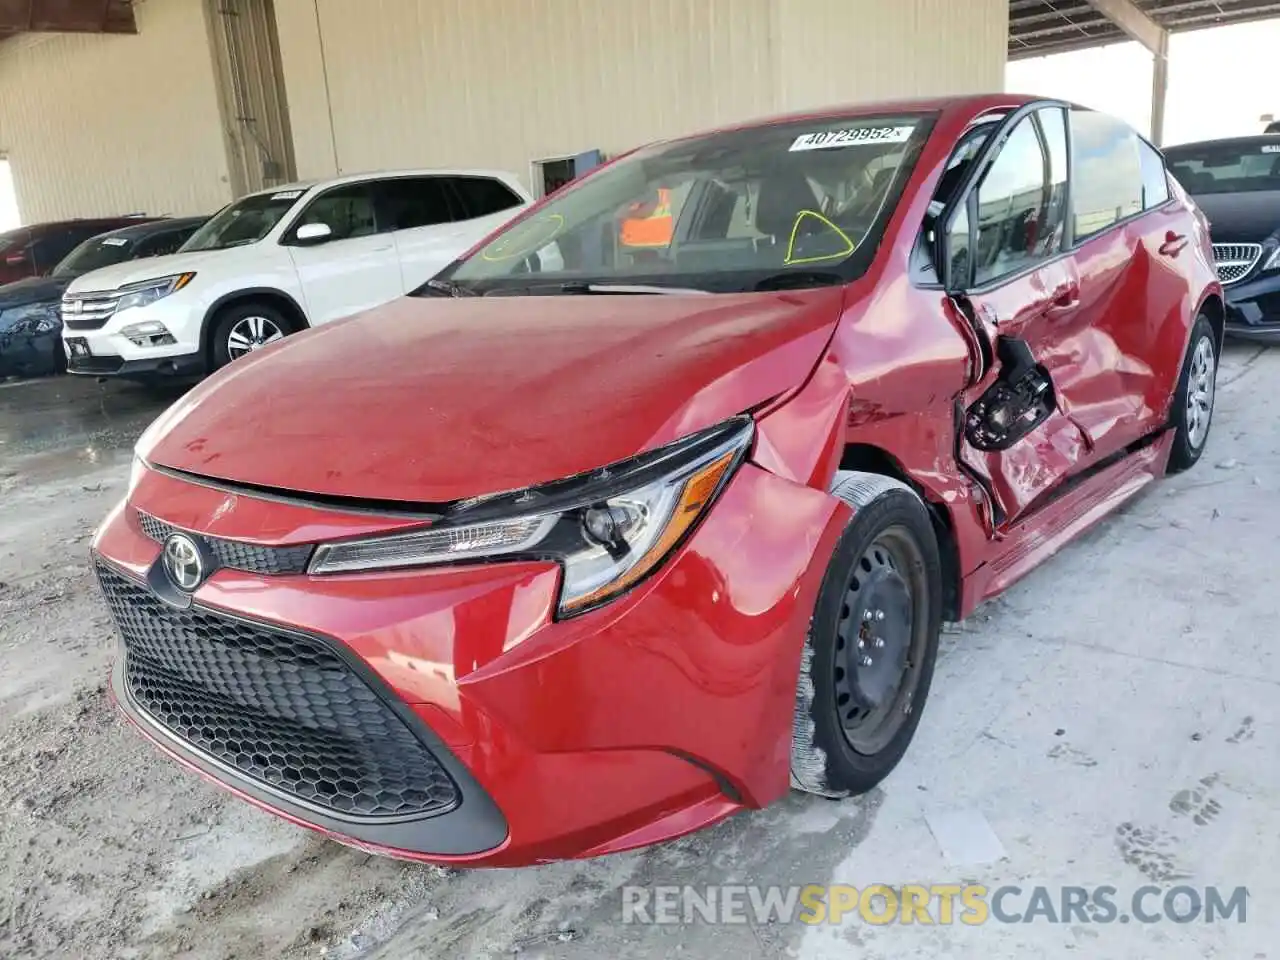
[433, 400]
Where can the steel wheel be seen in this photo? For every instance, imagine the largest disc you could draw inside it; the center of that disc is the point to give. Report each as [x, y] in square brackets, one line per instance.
[879, 651]
[251, 333]
[1200, 389]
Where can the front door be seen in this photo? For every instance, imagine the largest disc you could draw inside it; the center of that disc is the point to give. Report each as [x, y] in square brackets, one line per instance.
[1016, 283]
[356, 268]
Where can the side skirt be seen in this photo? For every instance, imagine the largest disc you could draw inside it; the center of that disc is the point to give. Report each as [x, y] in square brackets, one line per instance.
[1033, 540]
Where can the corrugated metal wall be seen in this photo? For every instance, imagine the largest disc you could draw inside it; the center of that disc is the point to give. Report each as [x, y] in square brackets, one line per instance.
[502, 82]
[498, 83]
[115, 124]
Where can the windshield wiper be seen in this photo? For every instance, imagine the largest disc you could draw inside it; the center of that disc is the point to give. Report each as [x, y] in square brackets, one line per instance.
[578, 286]
[447, 288]
[800, 279]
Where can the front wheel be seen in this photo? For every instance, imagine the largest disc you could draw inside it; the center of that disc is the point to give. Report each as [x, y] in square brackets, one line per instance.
[1193, 400]
[242, 328]
[868, 660]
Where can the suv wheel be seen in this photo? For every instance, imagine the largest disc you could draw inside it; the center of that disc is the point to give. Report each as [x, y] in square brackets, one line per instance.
[245, 327]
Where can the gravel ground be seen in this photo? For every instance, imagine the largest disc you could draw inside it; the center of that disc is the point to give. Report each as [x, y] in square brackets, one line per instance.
[1112, 719]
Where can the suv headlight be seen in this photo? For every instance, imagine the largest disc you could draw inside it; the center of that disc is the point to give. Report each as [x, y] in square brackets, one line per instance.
[149, 291]
[608, 529]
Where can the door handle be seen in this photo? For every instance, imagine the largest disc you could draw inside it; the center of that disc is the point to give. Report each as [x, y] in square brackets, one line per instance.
[1174, 243]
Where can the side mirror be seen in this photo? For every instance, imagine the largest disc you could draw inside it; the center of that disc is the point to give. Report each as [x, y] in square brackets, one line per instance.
[310, 234]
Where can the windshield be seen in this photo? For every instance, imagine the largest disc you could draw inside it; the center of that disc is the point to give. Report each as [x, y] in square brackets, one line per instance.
[719, 212]
[245, 221]
[94, 254]
[1238, 167]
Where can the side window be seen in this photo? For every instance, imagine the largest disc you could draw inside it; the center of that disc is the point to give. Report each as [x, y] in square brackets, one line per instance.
[347, 211]
[52, 247]
[410, 202]
[1107, 182]
[1155, 182]
[159, 244]
[1021, 199]
[482, 196]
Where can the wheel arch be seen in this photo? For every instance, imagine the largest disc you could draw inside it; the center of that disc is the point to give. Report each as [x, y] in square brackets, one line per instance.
[1213, 307]
[272, 296]
[869, 458]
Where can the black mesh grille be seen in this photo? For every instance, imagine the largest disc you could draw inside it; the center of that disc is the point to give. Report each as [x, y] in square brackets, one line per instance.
[248, 557]
[282, 709]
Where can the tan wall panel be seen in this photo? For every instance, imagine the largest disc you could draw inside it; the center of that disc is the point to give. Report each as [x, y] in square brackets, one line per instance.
[100, 125]
[848, 51]
[499, 82]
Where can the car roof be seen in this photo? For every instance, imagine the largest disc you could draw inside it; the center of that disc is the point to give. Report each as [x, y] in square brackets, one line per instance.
[364, 175]
[50, 226]
[139, 231]
[1255, 140]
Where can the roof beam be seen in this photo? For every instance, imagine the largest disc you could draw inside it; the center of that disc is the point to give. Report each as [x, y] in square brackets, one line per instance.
[1130, 18]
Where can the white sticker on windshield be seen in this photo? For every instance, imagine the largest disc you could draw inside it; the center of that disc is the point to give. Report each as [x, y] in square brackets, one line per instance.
[287, 195]
[831, 139]
[114, 241]
[1271, 148]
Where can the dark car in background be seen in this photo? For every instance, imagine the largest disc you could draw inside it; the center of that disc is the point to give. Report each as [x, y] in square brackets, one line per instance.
[35, 250]
[1236, 183]
[30, 324]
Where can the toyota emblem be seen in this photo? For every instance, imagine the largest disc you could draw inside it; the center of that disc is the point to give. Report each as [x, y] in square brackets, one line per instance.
[182, 561]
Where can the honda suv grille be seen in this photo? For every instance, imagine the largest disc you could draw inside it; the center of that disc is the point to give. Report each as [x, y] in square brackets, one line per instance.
[282, 709]
[1235, 260]
[89, 311]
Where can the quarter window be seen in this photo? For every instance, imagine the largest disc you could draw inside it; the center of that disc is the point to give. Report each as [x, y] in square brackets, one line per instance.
[1107, 186]
[482, 196]
[1155, 180]
[1021, 199]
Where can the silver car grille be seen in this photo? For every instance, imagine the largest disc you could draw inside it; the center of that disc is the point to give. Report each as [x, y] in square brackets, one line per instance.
[89, 311]
[1235, 260]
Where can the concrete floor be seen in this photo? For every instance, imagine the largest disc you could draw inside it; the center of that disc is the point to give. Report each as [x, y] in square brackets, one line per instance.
[1113, 719]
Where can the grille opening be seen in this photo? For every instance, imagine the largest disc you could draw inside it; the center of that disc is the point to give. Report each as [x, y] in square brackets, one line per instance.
[1235, 261]
[283, 710]
[249, 557]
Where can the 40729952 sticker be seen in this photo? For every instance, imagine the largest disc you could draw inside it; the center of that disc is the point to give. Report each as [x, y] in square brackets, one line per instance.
[853, 137]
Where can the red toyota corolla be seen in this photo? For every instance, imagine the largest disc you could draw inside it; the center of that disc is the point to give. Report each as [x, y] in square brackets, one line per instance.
[591, 543]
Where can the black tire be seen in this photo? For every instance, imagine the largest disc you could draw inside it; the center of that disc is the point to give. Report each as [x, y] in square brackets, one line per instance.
[890, 523]
[232, 319]
[1190, 436]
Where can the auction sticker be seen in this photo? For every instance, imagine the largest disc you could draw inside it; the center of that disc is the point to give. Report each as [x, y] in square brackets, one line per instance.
[857, 136]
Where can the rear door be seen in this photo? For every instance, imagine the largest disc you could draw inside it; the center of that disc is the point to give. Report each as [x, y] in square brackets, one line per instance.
[1009, 272]
[356, 269]
[425, 219]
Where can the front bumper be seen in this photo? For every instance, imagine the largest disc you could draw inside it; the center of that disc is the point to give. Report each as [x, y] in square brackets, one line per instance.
[112, 354]
[1253, 308]
[654, 715]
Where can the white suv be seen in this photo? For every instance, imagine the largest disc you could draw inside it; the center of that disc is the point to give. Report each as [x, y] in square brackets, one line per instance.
[276, 262]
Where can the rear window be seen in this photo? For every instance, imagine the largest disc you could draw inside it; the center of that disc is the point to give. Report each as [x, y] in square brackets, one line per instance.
[1239, 167]
[1108, 183]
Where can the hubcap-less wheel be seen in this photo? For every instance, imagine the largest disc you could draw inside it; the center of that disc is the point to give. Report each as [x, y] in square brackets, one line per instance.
[879, 651]
[251, 333]
[1200, 385]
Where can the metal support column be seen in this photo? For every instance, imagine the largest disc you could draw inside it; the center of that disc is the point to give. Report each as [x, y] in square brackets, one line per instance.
[1159, 88]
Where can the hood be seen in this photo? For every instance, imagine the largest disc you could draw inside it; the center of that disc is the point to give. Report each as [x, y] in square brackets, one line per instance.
[1241, 217]
[149, 268]
[32, 290]
[434, 400]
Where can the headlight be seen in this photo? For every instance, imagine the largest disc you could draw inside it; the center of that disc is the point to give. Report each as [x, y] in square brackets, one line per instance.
[607, 529]
[1273, 263]
[149, 291]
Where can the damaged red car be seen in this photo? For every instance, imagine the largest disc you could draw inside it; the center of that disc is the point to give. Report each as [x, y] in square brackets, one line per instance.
[589, 544]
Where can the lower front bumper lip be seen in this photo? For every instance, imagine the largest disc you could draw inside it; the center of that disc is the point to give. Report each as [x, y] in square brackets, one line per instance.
[185, 366]
[474, 827]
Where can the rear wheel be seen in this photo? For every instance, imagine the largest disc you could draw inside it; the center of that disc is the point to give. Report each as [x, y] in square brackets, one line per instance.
[868, 660]
[242, 328]
[1194, 398]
